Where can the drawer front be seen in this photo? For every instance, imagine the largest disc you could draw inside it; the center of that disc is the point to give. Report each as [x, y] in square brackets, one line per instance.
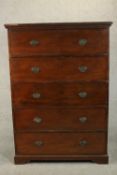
[59, 68]
[60, 143]
[57, 42]
[60, 119]
[60, 93]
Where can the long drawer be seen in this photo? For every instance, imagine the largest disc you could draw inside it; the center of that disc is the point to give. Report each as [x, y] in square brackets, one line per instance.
[60, 93]
[60, 143]
[58, 42]
[60, 119]
[38, 69]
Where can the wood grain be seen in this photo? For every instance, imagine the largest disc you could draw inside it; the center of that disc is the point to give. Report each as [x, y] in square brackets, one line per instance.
[59, 69]
[60, 143]
[60, 119]
[58, 42]
[60, 93]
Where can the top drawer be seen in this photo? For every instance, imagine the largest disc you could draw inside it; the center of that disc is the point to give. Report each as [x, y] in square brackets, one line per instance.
[36, 41]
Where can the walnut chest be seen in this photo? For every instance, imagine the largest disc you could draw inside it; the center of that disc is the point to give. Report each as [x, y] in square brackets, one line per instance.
[59, 86]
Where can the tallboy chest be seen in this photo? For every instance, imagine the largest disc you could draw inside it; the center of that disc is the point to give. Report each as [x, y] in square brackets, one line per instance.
[59, 86]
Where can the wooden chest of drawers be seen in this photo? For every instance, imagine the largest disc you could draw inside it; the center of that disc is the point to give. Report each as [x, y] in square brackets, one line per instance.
[59, 83]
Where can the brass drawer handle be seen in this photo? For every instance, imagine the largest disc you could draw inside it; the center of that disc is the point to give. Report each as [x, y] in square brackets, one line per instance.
[37, 120]
[83, 119]
[34, 42]
[82, 94]
[83, 42]
[35, 69]
[83, 143]
[83, 68]
[36, 95]
[38, 143]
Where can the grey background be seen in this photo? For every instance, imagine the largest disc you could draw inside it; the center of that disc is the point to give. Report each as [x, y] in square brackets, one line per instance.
[31, 11]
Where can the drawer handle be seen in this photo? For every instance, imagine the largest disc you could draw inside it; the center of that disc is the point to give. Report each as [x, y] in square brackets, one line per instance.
[34, 42]
[37, 120]
[83, 119]
[82, 94]
[83, 68]
[35, 69]
[83, 42]
[83, 143]
[36, 95]
[38, 143]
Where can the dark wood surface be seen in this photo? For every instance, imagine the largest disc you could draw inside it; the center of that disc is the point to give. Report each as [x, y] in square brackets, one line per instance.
[58, 42]
[60, 119]
[60, 93]
[60, 143]
[65, 25]
[59, 69]
[100, 159]
[57, 56]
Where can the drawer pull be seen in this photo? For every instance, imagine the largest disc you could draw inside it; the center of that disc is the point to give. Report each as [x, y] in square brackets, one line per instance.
[83, 68]
[37, 120]
[36, 95]
[83, 119]
[38, 143]
[83, 143]
[82, 94]
[34, 42]
[35, 69]
[82, 42]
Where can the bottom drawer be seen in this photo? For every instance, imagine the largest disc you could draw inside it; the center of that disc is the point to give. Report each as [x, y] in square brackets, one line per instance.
[60, 143]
